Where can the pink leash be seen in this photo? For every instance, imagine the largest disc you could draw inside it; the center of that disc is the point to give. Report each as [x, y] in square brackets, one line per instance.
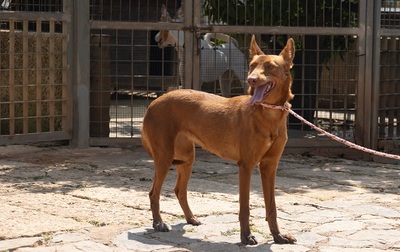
[336, 138]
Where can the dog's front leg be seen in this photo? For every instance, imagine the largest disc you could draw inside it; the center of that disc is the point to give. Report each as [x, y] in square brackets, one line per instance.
[268, 173]
[244, 199]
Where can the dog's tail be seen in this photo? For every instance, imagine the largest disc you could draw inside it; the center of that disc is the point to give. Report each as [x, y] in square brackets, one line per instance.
[221, 36]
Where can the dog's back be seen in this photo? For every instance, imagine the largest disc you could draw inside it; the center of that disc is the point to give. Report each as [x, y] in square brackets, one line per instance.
[201, 117]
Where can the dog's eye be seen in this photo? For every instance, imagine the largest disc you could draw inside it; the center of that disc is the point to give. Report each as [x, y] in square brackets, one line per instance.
[268, 66]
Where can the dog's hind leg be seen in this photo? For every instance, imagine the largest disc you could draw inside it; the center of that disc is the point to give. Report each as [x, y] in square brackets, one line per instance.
[184, 158]
[161, 167]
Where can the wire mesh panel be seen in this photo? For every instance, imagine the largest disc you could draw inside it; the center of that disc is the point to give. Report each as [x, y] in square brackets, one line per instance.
[33, 76]
[130, 10]
[389, 99]
[141, 68]
[324, 81]
[33, 5]
[325, 65]
[128, 68]
[309, 13]
[125, 77]
[390, 14]
[389, 95]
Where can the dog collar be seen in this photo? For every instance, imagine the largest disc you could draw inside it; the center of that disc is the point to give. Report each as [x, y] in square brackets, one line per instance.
[285, 106]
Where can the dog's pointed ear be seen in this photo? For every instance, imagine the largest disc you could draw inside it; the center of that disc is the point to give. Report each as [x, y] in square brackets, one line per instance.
[164, 14]
[254, 48]
[179, 14]
[288, 52]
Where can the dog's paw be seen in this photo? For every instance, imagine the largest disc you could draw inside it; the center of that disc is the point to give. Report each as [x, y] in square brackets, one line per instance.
[161, 227]
[193, 221]
[249, 240]
[284, 239]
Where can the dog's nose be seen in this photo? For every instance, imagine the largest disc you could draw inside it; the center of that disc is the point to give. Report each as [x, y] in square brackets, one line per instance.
[252, 80]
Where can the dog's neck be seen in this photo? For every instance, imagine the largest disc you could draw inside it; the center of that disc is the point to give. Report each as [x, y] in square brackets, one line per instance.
[287, 90]
[176, 39]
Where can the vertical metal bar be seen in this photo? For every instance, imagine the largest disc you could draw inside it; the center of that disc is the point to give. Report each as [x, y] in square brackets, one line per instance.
[68, 9]
[11, 78]
[197, 49]
[397, 78]
[188, 50]
[117, 101]
[332, 76]
[1, 77]
[303, 63]
[392, 88]
[39, 71]
[25, 77]
[64, 68]
[361, 131]
[368, 86]
[81, 74]
[52, 83]
[132, 105]
[384, 87]
[348, 65]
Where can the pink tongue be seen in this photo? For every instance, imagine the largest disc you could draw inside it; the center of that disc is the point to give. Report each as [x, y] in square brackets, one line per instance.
[258, 95]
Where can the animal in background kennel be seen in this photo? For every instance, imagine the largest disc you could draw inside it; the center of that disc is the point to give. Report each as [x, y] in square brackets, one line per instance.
[219, 62]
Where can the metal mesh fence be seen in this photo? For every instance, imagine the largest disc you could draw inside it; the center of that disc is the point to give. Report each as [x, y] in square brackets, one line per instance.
[389, 86]
[130, 10]
[389, 99]
[325, 72]
[32, 5]
[127, 73]
[33, 77]
[309, 13]
[324, 82]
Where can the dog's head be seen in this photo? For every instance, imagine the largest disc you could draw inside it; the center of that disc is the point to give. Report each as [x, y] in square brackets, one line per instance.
[269, 75]
[164, 38]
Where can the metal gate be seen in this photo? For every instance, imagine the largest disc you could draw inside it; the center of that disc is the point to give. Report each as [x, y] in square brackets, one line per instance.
[34, 84]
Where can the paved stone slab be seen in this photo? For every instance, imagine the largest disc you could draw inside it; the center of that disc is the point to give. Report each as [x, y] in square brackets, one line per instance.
[12, 244]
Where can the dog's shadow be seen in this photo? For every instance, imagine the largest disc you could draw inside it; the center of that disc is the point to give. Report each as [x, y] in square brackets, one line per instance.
[146, 239]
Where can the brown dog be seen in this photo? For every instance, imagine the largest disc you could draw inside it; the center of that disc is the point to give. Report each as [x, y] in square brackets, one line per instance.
[237, 129]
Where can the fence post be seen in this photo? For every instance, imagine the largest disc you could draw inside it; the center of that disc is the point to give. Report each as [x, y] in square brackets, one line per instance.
[197, 46]
[188, 36]
[368, 85]
[375, 70]
[80, 73]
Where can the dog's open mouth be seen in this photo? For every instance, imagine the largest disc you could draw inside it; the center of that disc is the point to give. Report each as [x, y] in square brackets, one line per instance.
[260, 92]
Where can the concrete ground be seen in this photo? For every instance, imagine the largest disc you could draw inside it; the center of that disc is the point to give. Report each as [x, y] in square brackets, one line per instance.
[96, 199]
